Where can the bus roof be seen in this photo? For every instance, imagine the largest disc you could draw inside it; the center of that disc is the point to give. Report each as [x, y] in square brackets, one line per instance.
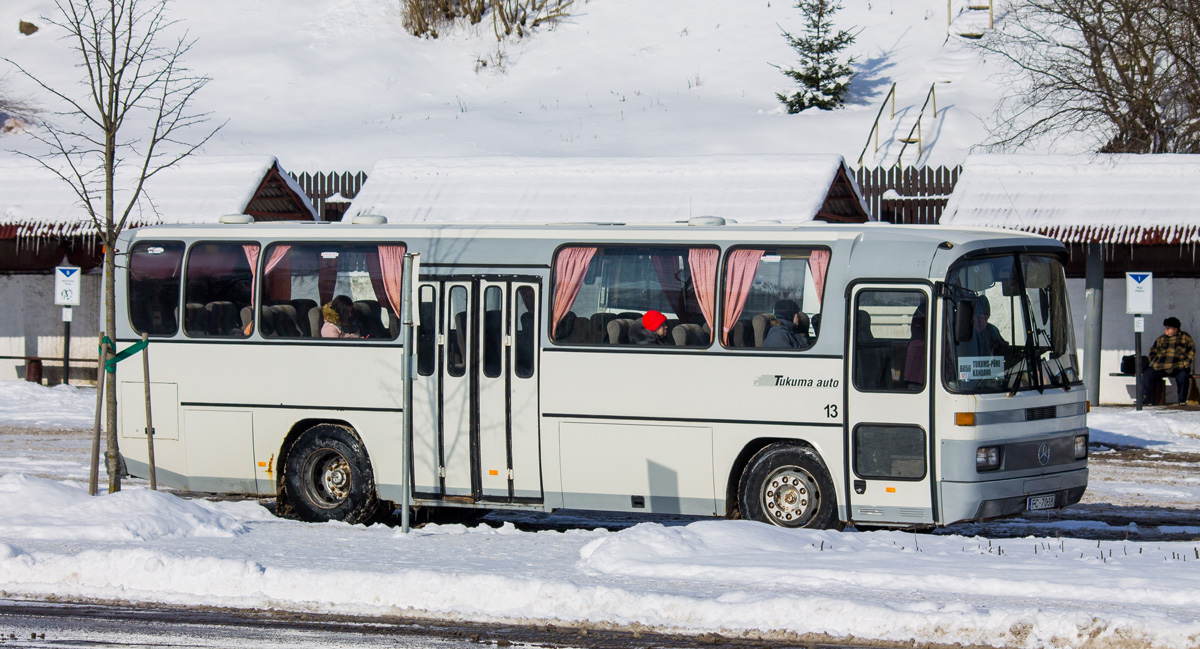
[728, 232]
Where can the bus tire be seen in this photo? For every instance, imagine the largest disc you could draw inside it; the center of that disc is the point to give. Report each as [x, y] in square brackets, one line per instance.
[327, 477]
[788, 486]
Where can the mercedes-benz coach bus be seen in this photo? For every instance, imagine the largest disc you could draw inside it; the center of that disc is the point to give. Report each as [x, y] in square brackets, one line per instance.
[807, 375]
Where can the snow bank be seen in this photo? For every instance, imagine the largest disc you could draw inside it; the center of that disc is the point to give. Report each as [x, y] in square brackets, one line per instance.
[728, 576]
[35, 508]
[30, 404]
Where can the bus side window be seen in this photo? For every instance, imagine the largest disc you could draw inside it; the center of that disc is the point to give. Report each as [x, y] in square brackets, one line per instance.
[769, 288]
[219, 280]
[301, 280]
[890, 341]
[609, 288]
[524, 342]
[493, 332]
[456, 340]
[427, 331]
[153, 291]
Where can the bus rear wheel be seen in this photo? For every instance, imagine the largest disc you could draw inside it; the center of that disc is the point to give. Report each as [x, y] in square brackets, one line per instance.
[788, 486]
[328, 477]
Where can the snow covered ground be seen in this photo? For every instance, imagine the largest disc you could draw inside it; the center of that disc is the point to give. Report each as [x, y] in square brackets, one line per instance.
[1048, 588]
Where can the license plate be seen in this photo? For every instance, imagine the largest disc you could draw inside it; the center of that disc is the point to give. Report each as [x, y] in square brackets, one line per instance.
[1040, 502]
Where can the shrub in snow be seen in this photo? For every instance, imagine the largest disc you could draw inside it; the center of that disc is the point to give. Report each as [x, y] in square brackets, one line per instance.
[509, 17]
[823, 77]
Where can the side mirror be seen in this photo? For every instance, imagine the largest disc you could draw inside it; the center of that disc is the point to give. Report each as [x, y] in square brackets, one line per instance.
[964, 321]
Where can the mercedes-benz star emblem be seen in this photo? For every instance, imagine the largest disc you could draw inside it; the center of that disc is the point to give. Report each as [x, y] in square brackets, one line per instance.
[1044, 453]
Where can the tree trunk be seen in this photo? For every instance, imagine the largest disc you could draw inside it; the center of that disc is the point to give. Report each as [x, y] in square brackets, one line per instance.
[112, 454]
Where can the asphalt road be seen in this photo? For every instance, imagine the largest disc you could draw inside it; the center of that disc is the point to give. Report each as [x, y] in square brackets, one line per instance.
[42, 625]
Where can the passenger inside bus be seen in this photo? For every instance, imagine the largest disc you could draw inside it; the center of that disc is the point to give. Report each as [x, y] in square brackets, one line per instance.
[787, 331]
[340, 319]
[653, 329]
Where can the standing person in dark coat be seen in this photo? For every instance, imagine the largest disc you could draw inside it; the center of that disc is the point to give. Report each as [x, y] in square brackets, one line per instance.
[786, 334]
[1171, 355]
[653, 330]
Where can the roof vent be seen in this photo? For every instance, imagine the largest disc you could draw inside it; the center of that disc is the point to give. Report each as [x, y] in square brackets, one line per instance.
[706, 220]
[369, 219]
[237, 219]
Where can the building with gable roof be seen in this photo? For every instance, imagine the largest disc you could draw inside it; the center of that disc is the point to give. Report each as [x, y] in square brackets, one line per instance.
[612, 190]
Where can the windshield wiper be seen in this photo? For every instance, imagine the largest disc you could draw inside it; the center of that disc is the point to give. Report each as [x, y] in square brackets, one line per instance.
[1062, 372]
[1031, 358]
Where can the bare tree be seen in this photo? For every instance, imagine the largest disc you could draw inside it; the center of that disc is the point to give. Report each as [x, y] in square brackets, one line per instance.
[128, 119]
[1122, 73]
[19, 110]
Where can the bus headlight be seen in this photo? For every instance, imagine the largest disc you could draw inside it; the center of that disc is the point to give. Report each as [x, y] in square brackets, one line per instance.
[1081, 446]
[987, 458]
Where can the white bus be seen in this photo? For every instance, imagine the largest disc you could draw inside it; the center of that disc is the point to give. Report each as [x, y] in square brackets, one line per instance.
[930, 375]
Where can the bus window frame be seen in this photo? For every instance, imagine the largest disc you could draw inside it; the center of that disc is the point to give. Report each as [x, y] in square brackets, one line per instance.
[723, 274]
[318, 339]
[191, 247]
[600, 245]
[178, 298]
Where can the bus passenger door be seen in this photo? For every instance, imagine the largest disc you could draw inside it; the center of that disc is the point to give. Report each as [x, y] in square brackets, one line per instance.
[888, 405]
[524, 440]
[509, 455]
[426, 402]
[456, 400]
[494, 367]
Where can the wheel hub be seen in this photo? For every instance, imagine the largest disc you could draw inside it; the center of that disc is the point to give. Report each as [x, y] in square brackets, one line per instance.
[328, 478]
[790, 497]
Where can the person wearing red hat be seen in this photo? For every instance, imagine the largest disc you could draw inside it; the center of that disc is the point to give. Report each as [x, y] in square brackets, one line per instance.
[653, 330]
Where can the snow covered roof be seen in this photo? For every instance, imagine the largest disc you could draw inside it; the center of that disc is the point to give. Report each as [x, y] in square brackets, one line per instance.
[611, 190]
[200, 189]
[1125, 198]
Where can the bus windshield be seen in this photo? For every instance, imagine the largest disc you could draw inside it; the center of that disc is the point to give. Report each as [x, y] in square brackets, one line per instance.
[1008, 326]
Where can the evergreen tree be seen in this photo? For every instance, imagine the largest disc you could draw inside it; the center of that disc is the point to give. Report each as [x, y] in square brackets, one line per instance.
[824, 79]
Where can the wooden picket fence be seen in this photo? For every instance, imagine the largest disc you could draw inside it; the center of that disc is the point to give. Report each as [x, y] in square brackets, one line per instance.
[917, 194]
[907, 195]
[321, 186]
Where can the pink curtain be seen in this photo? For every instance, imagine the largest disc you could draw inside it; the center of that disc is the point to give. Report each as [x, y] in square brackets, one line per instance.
[273, 259]
[391, 263]
[739, 275]
[569, 269]
[667, 269]
[252, 250]
[375, 271]
[703, 264]
[818, 265]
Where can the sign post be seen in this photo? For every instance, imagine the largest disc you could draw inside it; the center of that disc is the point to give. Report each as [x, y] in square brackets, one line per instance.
[66, 295]
[1139, 300]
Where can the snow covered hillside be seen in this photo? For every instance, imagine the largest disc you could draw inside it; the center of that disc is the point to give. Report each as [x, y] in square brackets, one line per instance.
[338, 85]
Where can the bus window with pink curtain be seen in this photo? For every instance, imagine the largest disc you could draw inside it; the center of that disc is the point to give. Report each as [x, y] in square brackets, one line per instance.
[766, 287]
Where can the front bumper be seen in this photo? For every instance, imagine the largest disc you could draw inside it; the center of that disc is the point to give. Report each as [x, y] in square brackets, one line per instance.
[968, 501]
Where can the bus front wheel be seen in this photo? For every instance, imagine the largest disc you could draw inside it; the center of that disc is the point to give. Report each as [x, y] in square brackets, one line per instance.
[788, 486]
[327, 477]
